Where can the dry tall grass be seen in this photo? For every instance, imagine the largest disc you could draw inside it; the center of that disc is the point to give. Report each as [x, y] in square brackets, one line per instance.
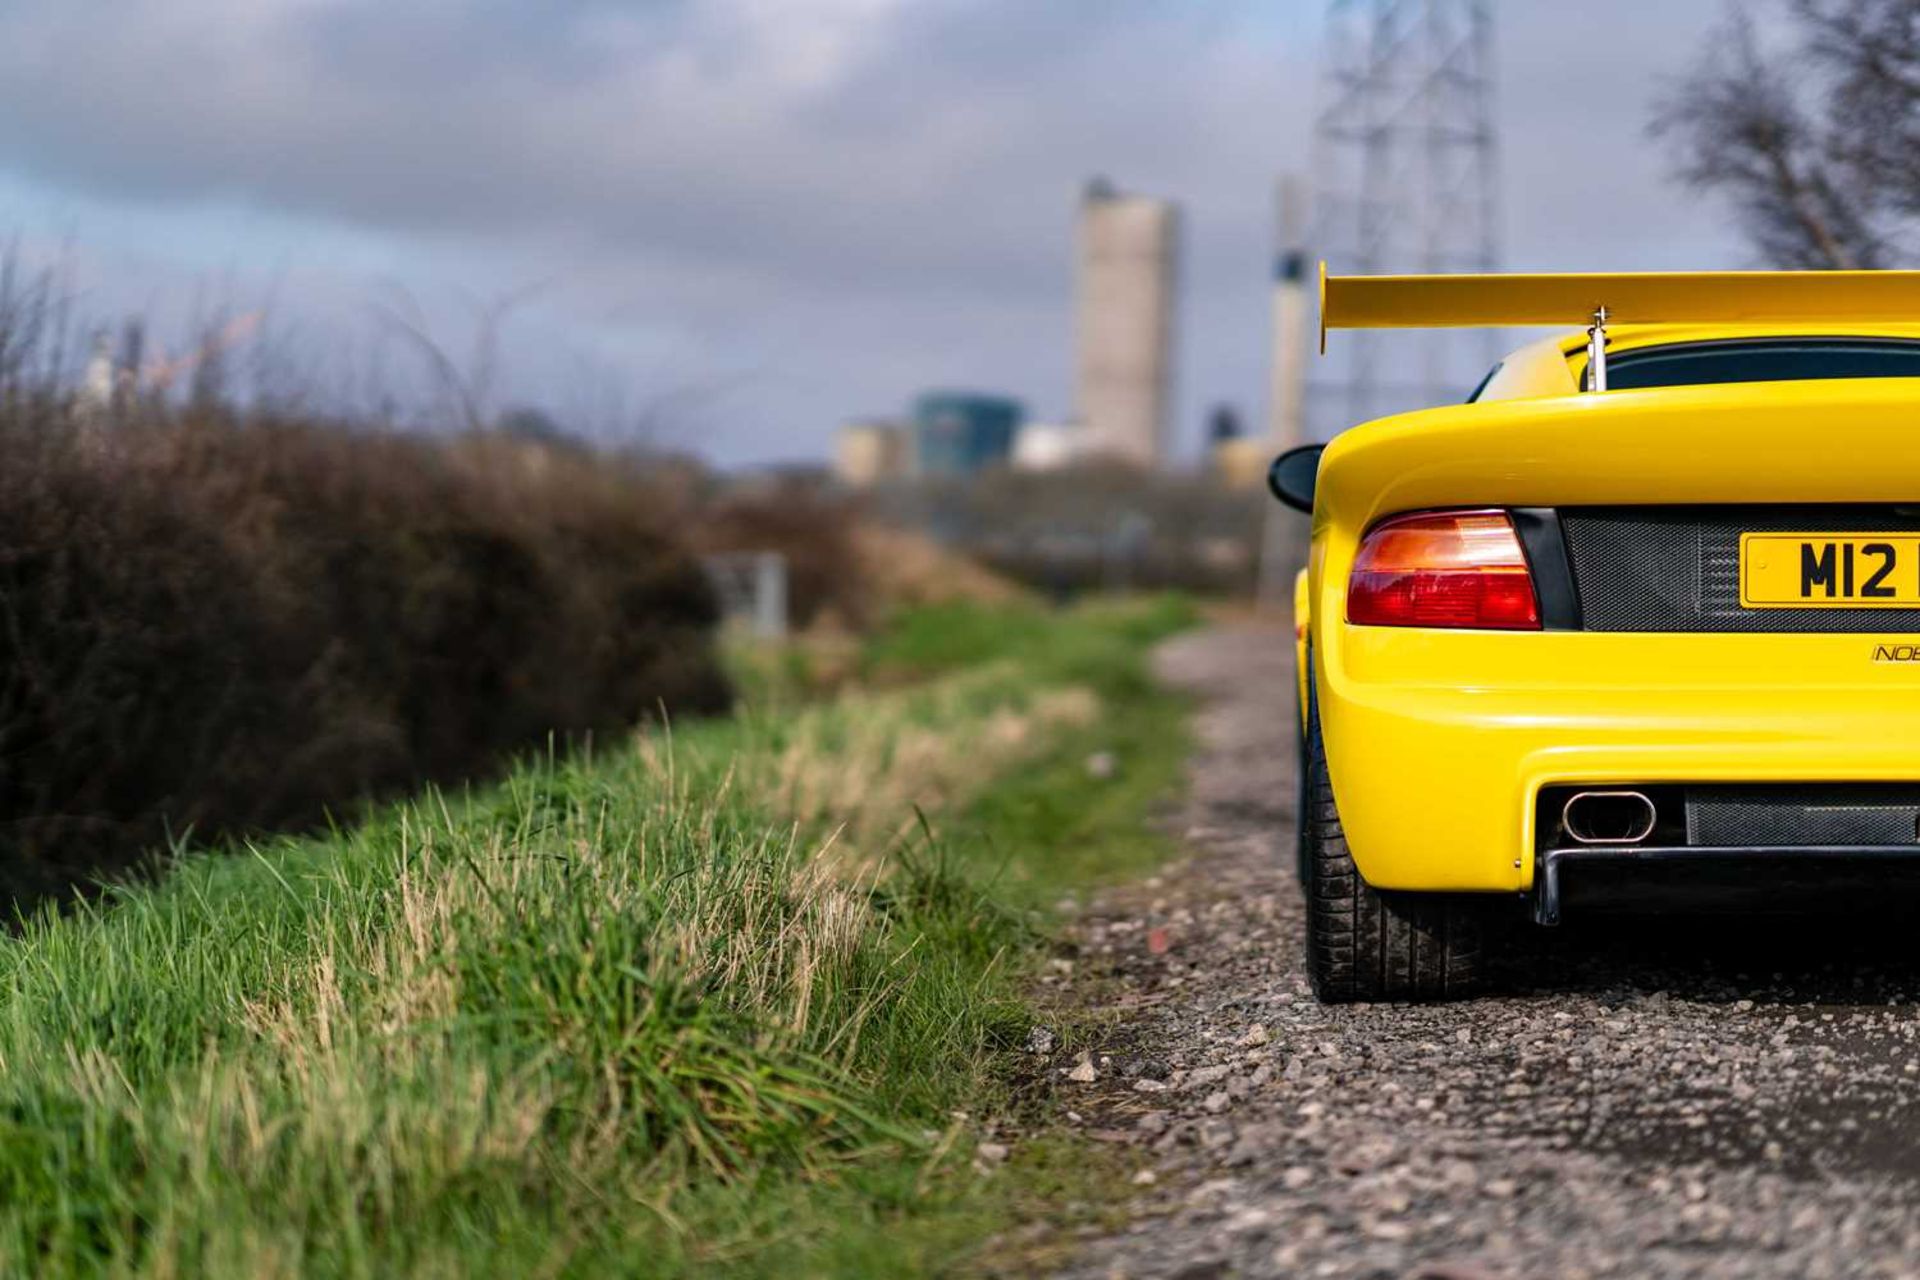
[557, 1010]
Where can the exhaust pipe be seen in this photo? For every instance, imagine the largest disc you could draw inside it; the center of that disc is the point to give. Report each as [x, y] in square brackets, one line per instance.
[1608, 817]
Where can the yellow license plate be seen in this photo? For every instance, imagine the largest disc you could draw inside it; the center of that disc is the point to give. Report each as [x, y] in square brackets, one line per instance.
[1829, 570]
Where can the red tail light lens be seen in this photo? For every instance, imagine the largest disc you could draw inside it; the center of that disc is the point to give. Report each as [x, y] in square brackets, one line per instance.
[1444, 569]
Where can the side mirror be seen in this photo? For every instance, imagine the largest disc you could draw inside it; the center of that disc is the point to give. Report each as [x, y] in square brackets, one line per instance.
[1292, 476]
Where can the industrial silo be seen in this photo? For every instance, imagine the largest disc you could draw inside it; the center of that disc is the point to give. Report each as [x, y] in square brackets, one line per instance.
[1127, 287]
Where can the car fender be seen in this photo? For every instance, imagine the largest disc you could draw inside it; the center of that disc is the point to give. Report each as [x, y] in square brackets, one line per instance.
[1302, 625]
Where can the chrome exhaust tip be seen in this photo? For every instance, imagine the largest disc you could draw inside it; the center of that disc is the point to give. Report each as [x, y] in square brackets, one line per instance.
[1608, 817]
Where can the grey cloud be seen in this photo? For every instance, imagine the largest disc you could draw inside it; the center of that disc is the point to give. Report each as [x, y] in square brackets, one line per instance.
[846, 197]
[485, 119]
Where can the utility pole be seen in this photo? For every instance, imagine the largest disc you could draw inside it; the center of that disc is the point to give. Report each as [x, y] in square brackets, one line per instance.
[1406, 175]
[1292, 310]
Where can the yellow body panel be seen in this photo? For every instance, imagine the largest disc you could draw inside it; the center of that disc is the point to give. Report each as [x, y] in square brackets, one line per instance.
[1302, 616]
[1439, 741]
[1543, 369]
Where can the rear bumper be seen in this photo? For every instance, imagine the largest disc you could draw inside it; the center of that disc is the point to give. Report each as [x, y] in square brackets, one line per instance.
[1439, 743]
[1549, 888]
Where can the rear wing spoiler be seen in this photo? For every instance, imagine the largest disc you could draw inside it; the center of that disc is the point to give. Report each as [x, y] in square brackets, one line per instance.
[1679, 297]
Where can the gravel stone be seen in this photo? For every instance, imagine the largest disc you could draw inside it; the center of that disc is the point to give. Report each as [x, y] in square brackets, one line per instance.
[1644, 1097]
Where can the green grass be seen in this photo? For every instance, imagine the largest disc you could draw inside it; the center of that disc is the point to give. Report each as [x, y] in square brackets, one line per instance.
[702, 1004]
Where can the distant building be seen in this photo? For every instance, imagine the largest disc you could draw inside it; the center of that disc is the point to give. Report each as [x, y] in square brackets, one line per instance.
[97, 383]
[1049, 446]
[1240, 462]
[1126, 295]
[957, 433]
[871, 453]
[1223, 423]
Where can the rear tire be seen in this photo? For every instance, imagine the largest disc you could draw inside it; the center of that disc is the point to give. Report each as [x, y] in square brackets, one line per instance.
[1365, 943]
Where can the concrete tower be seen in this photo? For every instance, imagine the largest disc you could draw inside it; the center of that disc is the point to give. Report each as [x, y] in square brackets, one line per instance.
[1127, 287]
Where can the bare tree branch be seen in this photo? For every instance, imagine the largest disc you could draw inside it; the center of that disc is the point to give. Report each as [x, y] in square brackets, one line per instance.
[472, 387]
[1817, 148]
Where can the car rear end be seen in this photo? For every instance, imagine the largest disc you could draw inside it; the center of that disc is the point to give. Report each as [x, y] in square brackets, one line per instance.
[1673, 625]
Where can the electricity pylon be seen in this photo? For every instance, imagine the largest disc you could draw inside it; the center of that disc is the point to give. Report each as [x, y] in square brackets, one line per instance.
[1406, 174]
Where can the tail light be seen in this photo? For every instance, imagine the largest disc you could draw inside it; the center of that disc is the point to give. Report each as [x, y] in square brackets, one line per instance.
[1443, 569]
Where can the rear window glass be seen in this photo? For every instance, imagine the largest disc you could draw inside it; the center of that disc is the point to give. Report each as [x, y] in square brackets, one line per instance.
[1763, 360]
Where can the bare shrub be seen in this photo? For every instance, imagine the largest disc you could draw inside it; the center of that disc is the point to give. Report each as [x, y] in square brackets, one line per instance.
[228, 627]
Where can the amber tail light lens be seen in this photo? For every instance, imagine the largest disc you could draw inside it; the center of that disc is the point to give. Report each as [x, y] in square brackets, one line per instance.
[1461, 569]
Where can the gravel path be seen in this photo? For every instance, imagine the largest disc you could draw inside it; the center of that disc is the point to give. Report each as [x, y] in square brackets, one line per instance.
[1650, 1098]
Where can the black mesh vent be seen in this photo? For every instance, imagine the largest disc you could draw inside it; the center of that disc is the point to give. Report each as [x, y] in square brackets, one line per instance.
[1677, 568]
[1803, 817]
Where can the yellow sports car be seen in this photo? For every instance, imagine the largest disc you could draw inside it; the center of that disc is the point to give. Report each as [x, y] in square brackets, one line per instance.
[1649, 601]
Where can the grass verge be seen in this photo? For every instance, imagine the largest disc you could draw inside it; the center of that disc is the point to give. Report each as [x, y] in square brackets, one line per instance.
[707, 1004]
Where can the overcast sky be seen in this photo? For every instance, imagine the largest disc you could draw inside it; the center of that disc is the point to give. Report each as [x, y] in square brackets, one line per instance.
[757, 218]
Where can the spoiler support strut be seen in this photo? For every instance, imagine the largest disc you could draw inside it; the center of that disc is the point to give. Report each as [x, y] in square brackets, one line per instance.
[1597, 351]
